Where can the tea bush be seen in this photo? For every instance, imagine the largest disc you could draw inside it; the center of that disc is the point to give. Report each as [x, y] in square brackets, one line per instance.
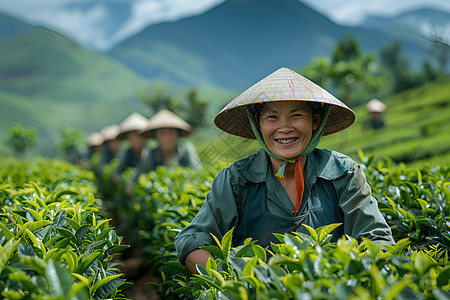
[55, 242]
[414, 202]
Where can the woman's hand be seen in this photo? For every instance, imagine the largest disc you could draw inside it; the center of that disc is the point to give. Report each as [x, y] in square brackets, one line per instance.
[197, 257]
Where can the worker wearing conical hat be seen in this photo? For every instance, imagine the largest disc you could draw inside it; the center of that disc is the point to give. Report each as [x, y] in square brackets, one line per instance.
[289, 182]
[376, 109]
[111, 143]
[130, 129]
[95, 141]
[167, 128]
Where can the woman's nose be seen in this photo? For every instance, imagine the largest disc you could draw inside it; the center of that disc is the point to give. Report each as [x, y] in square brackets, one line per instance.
[284, 126]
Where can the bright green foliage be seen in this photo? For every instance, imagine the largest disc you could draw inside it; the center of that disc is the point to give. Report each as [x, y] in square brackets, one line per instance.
[54, 241]
[174, 198]
[71, 139]
[21, 139]
[414, 202]
[298, 268]
[350, 71]
[417, 131]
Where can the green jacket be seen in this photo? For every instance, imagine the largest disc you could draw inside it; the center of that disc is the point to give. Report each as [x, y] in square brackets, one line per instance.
[344, 179]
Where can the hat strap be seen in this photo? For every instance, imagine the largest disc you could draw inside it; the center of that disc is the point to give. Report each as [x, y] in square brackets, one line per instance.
[315, 139]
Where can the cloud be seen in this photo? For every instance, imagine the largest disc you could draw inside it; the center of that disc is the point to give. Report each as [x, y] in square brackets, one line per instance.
[96, 23]
[83, 25]
[77, 19]
[354, 11]
[148, 12]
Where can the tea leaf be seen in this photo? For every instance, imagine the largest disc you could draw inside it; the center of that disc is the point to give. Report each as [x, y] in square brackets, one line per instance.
[34, 263]
[59, 279]
[6, 232]
[248, 269]
[443, 278]
[259, 251]
[7, 252]
[226, 243]
[59, 219]
[80, 233]
[83, 264]
[32, 237]
[325, 230]
[312, 232]
[109, 283]
[38, 224]
[246, 250]
[216, 275]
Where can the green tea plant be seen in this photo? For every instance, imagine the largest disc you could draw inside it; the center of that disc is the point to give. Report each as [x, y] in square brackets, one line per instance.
[302, 267]
[172, 198]
[414, 202]
[55, 242]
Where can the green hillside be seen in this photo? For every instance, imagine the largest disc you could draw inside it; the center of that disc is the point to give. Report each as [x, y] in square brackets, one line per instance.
[418, 131]
[44, 63]
[48, 81]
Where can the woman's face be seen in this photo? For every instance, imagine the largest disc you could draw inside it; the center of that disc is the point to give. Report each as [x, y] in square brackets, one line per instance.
[287, 126]
[137, 141]
[167, 138]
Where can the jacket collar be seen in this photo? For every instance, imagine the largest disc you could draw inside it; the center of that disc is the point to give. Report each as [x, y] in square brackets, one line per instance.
[320, 163]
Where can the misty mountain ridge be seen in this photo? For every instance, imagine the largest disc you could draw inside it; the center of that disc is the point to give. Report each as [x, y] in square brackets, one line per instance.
[47, 80]
[238, 42]
[421, 23]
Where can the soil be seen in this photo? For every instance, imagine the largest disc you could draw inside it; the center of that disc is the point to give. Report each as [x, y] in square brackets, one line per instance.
[137, 273]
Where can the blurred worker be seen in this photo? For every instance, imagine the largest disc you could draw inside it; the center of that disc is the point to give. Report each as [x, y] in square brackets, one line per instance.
[376, 109]
[167, 128]
[131, 129]
[94, 144]
[111, 143]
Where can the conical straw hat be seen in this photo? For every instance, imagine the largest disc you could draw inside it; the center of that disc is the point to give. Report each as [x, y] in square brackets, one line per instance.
[376, 105]
[282, 85]
[134, 122]
[95, 139]
[166, 119]
[110, 132]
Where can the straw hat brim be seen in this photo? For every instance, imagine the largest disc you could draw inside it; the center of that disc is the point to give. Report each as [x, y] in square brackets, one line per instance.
[282, 85]
[166, 119]
[110, 133]
[95, 139]
[376, 106]
[134, 122]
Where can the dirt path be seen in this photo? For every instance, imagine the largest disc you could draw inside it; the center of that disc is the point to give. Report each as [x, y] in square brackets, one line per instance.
[136, 272]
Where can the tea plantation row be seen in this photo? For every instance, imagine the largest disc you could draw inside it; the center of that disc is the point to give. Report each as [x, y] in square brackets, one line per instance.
[54, 227]
[55, 243]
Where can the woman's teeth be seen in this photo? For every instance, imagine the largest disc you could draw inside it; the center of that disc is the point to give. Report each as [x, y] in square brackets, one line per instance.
[286, 141]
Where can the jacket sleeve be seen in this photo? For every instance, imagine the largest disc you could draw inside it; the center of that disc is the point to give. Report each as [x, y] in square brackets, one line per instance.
[216, 216]
[362, 218]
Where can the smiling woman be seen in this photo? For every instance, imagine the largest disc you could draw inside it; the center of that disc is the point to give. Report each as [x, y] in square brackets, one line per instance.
[289, 182]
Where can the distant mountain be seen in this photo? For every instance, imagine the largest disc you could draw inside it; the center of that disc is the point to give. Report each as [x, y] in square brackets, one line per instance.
[48, 81]
[230, 45]
[419, 23]
[10, 26]
[238, 42]
[47, 63]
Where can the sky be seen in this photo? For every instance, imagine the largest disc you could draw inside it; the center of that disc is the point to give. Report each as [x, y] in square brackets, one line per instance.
[100, 24]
